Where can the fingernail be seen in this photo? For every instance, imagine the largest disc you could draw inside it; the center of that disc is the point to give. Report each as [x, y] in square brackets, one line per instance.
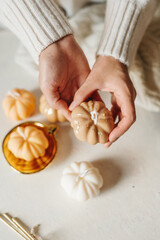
[69, 118]
[73, 104]
[113, 139]
[108, 144]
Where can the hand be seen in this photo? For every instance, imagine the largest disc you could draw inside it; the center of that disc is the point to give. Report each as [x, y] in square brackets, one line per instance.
[63, 68]
[110, 75]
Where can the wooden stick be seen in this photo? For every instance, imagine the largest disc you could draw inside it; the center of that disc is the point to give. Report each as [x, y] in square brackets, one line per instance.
[25, 231]
[11, 226]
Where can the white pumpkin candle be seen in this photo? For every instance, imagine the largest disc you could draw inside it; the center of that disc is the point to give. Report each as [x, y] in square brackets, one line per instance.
[81, 180]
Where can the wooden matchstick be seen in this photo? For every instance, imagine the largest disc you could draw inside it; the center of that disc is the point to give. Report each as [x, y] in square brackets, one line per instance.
[25, 231]
[16, 226]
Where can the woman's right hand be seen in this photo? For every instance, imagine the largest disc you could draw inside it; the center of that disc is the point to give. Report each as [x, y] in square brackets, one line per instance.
[63, 68]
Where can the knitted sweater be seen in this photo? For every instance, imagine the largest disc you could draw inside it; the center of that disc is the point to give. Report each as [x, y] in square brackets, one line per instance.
[39, 23]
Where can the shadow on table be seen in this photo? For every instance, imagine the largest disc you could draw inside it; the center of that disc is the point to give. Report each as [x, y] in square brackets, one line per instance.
[52, 236]
[64, 142]
[110, 172]
[37, 93]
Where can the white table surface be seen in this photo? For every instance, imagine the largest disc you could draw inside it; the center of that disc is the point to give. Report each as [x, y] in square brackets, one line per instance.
[128, 207]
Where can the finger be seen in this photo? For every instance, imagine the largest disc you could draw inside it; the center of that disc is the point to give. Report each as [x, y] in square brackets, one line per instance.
[108, 144]
[67, 114]
[82, 93]
[115, 112]
[134, 94]
[63, 107]
[115, 108]
[54, 100]
[128, 118]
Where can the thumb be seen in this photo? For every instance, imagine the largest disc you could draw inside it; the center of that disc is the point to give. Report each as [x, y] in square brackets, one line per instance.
[87, 88]
[56, 102]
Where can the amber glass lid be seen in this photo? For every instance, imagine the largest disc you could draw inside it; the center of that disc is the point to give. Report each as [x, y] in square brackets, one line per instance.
[36, 164]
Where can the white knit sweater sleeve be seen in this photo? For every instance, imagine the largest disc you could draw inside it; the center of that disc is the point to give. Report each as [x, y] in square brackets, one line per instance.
[37, 23]
[125, 24]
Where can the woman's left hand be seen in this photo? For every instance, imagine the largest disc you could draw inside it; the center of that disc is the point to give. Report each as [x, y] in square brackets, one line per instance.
[110, 75]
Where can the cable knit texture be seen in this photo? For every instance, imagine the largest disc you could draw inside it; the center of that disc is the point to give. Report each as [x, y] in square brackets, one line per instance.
[37, 23]
[125, 24]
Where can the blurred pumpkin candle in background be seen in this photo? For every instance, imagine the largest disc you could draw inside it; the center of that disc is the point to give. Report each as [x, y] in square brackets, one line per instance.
[19, 104]
[53, 115]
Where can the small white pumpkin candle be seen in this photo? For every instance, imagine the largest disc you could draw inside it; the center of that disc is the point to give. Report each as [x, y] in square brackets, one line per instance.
[81, 180]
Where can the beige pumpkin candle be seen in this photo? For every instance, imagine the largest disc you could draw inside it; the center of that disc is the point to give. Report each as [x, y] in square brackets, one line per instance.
[92, 122]
[27, 143]
[19, 104]
[53, 115]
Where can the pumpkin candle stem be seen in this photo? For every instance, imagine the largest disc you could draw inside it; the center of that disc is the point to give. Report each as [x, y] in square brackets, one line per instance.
[21, 133]
[14, 94]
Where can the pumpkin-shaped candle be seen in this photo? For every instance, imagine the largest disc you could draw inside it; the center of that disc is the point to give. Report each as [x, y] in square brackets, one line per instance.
[19, 104]
[27, 143]
[92, 122]
[81, 180]
[53, 115]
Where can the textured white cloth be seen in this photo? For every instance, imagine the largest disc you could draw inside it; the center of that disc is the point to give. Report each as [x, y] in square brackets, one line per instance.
[125, 25]
[145, 71]
[38, 23]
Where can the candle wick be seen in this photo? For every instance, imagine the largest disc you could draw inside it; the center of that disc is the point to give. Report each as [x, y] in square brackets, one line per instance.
[83, 174]
[94, 116]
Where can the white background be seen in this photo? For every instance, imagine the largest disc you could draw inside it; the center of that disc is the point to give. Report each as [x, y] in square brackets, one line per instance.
[128, 207]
